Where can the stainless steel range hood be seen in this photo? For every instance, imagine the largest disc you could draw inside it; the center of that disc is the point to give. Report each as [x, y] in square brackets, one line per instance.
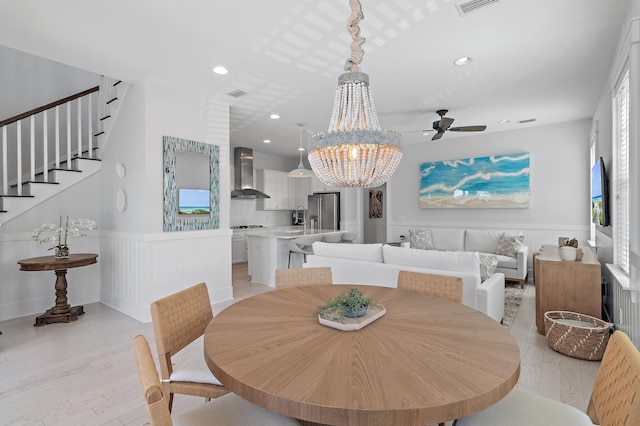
[243, 179]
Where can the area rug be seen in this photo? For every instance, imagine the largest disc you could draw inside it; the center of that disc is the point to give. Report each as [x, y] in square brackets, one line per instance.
[512, 299]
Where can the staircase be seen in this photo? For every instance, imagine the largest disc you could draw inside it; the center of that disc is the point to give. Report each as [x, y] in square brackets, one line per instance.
[51, 148]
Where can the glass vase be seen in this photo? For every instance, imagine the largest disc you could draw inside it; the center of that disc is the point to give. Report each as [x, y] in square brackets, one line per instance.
[61, 252]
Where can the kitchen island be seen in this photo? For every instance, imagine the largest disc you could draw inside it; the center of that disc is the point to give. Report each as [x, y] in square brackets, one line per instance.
[269, 250]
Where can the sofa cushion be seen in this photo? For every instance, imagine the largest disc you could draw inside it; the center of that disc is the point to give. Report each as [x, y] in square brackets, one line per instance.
[509, 244]
[448, 239]
[420, 239]
[481, 240]
[458, 261]
[488, 265]
[366, 252]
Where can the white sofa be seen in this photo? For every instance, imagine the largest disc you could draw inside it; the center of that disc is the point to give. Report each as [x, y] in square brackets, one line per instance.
[377, 264]
[484, 242]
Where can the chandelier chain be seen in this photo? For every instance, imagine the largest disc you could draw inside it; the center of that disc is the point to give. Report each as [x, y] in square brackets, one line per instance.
[356, 45]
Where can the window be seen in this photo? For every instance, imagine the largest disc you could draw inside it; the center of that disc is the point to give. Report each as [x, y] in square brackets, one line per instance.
[593, 142]
[621, 146]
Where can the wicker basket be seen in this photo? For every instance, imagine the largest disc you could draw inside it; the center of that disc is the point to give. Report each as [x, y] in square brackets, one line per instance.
[577, 335]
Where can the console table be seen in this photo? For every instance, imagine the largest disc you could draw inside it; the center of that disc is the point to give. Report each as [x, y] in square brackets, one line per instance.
[564, 285]
[62, 311]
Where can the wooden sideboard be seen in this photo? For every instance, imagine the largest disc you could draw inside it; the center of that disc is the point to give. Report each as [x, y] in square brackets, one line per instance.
[563, 285]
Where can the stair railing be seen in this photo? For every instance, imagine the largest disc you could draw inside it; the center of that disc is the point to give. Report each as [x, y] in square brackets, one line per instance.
[13, 128]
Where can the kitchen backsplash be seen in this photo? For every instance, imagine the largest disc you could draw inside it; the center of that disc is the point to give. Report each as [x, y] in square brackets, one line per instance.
[244, 212]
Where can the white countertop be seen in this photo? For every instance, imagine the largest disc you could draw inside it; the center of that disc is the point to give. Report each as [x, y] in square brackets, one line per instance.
[291, 233]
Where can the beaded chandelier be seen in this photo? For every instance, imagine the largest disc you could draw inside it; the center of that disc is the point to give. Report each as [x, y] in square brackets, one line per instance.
[354, 151]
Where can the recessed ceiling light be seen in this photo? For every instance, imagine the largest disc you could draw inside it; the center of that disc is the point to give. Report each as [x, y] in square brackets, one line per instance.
[462, 61]
[504, 121]
[266, 141]
[301, 149]
[274, 116]
[220, 70]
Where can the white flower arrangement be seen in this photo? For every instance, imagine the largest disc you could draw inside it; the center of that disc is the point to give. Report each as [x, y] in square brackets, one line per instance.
[56, 235]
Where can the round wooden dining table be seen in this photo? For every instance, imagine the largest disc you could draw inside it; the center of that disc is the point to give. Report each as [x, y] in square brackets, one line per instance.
[427, 360]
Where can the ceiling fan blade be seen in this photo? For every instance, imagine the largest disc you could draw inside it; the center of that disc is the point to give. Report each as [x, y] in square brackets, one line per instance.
[437, 135]
[445, 123]
[467, 129]
[417, 131]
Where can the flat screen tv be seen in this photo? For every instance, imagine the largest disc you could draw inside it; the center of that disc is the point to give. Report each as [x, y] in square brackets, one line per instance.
[194, 202]
[599, 194]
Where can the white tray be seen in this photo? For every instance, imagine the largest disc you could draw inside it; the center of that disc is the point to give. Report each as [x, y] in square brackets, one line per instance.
[353, 324]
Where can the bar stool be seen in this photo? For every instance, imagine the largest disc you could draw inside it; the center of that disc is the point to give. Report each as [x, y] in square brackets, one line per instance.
[348, 237]
[332, 238]
[302, 245]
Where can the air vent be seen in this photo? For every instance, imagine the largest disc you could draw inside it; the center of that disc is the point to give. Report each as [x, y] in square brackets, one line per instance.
[473, 6]
[237, 93]
[530, 120]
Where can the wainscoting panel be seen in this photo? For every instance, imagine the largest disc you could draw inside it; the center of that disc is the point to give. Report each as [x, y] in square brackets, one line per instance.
[140, 269]
[626, 312]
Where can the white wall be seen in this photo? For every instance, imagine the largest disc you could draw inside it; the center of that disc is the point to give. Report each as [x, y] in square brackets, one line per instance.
[141, 263]
[28, 81]
[559, 184]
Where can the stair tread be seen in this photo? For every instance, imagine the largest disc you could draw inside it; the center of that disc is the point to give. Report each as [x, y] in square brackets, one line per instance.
[68, 170]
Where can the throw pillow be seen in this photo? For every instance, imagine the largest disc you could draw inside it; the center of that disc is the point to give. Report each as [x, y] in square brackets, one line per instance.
[488, 265]
[421, 239]
[509, 244]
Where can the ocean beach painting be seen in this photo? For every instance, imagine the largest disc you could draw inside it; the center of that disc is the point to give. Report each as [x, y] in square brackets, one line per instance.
[498, 181]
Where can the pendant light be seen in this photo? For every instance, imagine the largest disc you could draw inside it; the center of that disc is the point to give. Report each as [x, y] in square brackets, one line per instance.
[354, 151]
[300, 171]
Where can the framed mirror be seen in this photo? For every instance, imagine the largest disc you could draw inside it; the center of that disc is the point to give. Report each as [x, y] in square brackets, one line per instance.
[191, 185]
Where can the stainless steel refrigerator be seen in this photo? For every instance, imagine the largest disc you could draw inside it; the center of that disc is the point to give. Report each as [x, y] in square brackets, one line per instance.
[324, 211]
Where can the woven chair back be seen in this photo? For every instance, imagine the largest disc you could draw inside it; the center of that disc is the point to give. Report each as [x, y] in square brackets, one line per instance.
[155, 402]
[616, 391]
[181, 318]
[286, 278]
[436, 285]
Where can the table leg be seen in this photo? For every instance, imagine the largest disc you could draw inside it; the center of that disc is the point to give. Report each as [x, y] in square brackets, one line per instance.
[62, 306]
[62, 311]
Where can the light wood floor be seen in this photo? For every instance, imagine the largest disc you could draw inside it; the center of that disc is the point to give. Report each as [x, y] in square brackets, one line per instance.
[84, 373]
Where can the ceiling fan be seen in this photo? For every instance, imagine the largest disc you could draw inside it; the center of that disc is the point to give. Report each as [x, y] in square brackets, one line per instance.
[444, 124]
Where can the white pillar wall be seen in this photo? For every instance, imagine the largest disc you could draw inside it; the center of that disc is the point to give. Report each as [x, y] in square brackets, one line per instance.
[141, 263]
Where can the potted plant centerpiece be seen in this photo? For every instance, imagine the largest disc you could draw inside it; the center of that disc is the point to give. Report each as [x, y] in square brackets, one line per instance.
[351, 304]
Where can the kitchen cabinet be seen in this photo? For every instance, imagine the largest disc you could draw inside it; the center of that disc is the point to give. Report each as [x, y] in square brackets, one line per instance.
[565, 285]
[299, 190]
[238, 247]
[318, 186]
[275, 184]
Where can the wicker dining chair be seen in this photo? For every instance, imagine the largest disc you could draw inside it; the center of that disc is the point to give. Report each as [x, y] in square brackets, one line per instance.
[436, 285]
[615, 399]
[228, 409]
[286, 278]
[179, 320]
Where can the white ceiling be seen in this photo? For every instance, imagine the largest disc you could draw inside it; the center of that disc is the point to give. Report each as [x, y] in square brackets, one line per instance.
[542, 59]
